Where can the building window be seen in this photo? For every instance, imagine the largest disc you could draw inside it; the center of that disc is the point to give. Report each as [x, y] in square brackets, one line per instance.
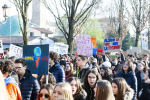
[46, 35]
[31, 34]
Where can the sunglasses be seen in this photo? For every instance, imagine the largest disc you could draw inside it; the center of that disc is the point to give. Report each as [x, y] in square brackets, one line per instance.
[45, 95]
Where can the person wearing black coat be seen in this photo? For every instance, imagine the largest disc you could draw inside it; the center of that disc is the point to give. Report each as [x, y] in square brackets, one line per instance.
[55, 67]
[143, 76]
[58, 72]
[82, 65]
[29, 85]
[128, 74]
[90, 80]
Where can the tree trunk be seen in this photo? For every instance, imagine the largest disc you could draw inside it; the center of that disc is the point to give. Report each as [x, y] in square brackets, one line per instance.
[70, 44]
[25, 23]
[25, 38]
[137, 36]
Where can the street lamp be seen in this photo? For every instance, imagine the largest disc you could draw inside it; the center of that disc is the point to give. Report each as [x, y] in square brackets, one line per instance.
[5, 8]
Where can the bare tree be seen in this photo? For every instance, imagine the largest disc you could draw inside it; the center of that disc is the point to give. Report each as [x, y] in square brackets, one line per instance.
[70, 16]
[119, 20]
[139, 13]
[148, 34]
[22, 8]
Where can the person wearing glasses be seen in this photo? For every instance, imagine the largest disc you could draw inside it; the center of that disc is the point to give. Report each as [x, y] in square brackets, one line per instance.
[45, 92]
[28, 84]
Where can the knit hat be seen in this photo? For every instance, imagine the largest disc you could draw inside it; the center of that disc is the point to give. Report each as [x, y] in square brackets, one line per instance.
[106, 64]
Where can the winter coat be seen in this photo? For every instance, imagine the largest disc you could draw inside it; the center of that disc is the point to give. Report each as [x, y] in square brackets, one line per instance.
[128, 95]
[13, 89]
[90, 92]
[29, 86]
[82, 73]
[130, 79]
[58, 72]
[139, 82]
[80, 96]
[145, 90]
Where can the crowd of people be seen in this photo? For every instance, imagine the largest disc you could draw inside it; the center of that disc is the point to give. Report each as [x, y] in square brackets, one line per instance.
[79, 77]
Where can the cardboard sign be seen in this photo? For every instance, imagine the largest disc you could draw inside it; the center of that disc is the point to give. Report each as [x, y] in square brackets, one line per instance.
[134, 50]
[112, 45]
[84, 45]
[93, 40]
[60, 48]
[15, 51]
[37, 58]
[1, 50]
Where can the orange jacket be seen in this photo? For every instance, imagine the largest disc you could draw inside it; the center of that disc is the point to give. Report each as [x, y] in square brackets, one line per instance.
[14, 91]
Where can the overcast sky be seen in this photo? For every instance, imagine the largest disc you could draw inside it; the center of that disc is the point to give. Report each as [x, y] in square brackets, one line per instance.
[102, 12]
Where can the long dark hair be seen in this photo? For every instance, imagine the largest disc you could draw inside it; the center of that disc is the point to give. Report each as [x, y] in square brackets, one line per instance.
[130, 65]
[123, 87]
[95, 72]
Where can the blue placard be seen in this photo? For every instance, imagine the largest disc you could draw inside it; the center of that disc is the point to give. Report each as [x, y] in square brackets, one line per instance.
[37, 58]
[94, 51]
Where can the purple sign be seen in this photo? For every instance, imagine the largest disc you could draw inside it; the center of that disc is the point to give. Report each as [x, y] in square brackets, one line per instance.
[84, 45]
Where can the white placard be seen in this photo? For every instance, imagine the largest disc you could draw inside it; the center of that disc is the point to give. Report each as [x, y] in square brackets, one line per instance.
[60, 48]
[15, 51]
[1, 50]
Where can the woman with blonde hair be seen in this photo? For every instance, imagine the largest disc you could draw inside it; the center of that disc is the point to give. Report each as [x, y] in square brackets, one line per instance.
[103, 90]
[62, 91]
[121, 89]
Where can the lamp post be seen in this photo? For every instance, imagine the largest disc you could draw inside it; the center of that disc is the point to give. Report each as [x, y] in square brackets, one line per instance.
[5, 8]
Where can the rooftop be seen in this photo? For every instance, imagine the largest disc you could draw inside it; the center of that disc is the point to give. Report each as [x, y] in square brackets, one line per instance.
[14, 39]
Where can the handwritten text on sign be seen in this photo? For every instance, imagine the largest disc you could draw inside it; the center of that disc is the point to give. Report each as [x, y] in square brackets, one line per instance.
[112, 44]
[1, 50]
[15, 51]
[84, 45]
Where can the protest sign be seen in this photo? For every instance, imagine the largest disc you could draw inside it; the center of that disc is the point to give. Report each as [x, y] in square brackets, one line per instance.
[84, 45]
[94, 51]
[1, 50]
[111, 45]
[99, 51]
[15, 51]
[134, 50]
[37, 58]
[60, 48]
[93, 40]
